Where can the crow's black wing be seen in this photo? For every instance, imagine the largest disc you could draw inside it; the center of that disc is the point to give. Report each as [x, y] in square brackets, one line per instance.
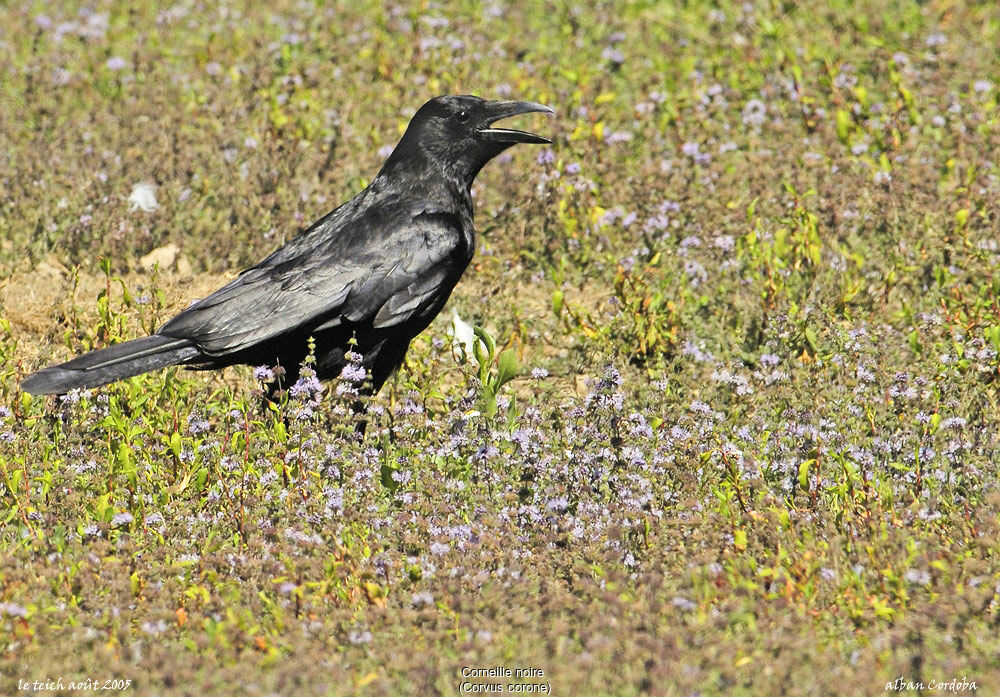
[380, 269]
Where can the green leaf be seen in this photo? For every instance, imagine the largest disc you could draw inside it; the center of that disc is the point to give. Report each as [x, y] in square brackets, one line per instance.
[16, 477]
[280, 432]
[812, 340]
[385, 475]
[126, 296]
[844, 122]
[174, 441]
[804, 473]
[507, 369]
[992, 335]
[200, 477]
[491, 346]
[103, 510]
[489, 401]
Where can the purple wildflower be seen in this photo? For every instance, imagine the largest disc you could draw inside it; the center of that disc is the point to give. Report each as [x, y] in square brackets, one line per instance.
[684, 604]
[769, 360]
[936, 39]
[615, 137]
[90, 530]
[754, 113]
[13, 610]
[359, 636]
[693, 150]
[422, 599]
[353, 373]
[306, 387]
[196, 424]
[121, 519]
[613, 56]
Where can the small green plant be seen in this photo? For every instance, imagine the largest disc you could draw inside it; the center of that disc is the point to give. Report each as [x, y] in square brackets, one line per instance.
[647, 313]
[111, 327]
[494, 369]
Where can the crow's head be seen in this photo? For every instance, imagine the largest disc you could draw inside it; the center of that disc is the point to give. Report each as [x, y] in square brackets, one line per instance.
[457, 133]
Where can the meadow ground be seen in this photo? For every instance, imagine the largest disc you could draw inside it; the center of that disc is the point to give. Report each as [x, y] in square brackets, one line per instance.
[738, 431]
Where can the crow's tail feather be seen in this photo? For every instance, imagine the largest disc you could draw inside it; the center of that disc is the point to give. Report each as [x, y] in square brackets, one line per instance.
[111, 364]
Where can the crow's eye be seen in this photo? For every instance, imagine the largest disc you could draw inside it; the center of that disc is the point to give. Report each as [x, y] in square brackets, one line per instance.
[462, 116]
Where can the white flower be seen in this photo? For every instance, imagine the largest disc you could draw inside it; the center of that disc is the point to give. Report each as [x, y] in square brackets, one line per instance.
[463, 335]
[143, 197]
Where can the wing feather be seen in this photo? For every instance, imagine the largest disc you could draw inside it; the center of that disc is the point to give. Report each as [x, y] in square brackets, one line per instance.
[374, 272]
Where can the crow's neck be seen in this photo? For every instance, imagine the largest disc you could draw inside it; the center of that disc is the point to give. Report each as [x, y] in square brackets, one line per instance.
[411, 161]
[429, 178]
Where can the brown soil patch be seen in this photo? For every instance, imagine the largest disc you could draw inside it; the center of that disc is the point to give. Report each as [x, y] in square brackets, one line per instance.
[39, 303]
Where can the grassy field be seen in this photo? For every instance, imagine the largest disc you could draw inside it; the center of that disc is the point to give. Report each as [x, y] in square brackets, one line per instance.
[748, 300]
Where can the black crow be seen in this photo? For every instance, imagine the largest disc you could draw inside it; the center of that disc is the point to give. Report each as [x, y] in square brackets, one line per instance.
[375, 270]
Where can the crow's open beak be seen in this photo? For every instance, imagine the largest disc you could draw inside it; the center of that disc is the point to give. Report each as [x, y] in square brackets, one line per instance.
[503, 110]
